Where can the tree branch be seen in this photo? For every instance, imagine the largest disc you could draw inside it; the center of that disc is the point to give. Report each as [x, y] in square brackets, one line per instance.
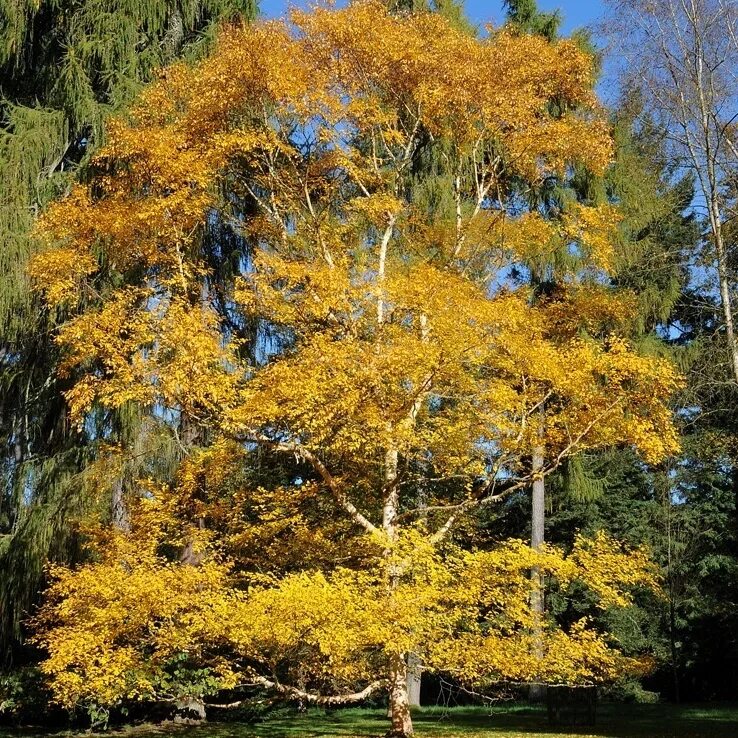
[320, 468]
[319, 699]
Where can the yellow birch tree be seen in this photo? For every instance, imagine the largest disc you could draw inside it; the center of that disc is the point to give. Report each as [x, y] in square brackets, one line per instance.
[403, 360]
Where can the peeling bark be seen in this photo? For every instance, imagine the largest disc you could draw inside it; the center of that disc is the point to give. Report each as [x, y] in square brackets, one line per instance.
[190, 711]
[414, 679]
[399, 704]
[119, 510]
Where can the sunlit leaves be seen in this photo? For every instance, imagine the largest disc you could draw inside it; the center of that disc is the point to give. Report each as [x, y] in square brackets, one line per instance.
[117, 628]
[410, 374]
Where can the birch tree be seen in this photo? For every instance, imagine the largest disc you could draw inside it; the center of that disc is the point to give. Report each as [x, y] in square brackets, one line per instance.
[683, 56]
[405, 357]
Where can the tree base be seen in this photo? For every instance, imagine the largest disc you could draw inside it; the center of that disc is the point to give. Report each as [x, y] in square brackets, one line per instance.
[537, 693]
[190, 711]
[571, 706]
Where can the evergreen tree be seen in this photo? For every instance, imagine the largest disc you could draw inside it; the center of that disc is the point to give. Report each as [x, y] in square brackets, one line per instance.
[65, 66]
[529, 19]
[546, 276]
[685, 511]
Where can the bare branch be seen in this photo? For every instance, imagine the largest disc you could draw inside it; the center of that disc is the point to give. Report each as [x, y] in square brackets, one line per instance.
[312, 698]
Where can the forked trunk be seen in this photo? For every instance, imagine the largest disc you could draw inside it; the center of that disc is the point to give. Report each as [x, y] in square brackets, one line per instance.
[399, 704]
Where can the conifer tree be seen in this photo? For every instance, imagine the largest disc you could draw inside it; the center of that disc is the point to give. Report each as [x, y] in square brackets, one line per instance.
[659, 236]
[64, 67]
[525, 17]
[529, 19]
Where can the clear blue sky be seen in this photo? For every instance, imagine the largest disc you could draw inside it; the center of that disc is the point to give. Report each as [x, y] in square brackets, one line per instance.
[576, 13]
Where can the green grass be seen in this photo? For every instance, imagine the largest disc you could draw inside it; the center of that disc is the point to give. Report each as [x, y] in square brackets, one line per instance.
[613, 721]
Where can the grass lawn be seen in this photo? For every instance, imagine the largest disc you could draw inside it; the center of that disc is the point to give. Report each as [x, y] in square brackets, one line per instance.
[613, 721]
[616, 721]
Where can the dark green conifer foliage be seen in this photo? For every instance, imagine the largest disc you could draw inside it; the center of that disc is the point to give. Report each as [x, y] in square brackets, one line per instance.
[452, 10]
[529, 19]
[658, 233]
[684, 511]
[65, 65]
[614, 491]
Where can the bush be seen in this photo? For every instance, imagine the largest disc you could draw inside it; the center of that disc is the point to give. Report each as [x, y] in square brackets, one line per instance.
[631, 692]
[24, 698]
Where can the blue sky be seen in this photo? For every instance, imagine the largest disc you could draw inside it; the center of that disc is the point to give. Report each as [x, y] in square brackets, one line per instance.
[576, 13]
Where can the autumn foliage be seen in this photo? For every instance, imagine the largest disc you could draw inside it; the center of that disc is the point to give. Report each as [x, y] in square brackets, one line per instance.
[409, 380]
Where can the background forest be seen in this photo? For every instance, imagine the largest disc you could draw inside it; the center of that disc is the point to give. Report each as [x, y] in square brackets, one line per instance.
[619, 223]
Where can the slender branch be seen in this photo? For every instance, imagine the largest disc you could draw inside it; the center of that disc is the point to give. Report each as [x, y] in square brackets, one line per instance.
[321, 469]
[479, 500]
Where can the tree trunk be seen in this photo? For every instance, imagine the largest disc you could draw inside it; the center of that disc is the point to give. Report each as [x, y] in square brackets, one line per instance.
[119, 511]
[189, 711]
[399, 706]
[174, 35]
[414, 676]
[725, 299]
[674, 650]
[190, 436]
[537, 692]
[399, 703]
[414, 663]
